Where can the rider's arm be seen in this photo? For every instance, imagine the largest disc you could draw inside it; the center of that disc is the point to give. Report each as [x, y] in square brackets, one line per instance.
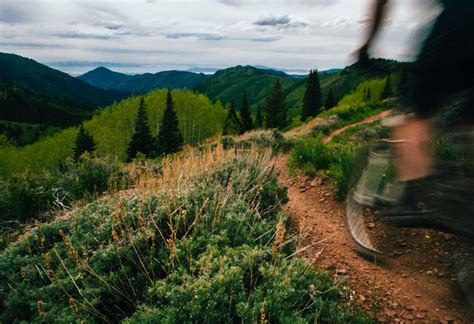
[375, 23]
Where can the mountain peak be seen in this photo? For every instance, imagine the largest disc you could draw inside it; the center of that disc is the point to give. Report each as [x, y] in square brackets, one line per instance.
[101, 69]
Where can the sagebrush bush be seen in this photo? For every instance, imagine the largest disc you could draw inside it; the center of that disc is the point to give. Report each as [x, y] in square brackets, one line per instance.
[273, 139]
[203, 242]
[29, 195]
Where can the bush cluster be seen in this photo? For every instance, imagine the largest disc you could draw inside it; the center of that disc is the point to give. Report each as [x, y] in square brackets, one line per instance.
[270, 139]
[27, 196]
[214, 247]
[335, 160]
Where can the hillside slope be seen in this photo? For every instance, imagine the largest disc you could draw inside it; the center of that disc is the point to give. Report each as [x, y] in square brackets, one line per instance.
[32, 92]
[141, 83]
[229, 84]
[113, 127]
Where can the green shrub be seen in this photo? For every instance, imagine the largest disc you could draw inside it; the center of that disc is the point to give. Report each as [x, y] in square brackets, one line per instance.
[209, 245]
[311, 151]
[29, 195]
[342, 171]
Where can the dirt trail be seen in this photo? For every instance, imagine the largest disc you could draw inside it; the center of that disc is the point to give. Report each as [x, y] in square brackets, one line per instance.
[308, 127]
[417, 284]
[367, 120]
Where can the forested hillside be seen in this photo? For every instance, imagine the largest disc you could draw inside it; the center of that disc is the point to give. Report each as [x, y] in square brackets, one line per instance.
[230, 84]
[34, 93]
[142, 83]
[113, 127]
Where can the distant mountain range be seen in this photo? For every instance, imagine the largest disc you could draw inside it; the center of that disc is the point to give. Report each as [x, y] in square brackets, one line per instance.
[142, 83]
[34, 93]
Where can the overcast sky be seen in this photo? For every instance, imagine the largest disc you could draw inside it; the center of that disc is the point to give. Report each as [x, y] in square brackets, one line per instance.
[135, 36]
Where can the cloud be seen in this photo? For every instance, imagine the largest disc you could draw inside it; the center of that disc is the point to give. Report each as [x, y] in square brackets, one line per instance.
[304, 3]
[68, 64]
[231, 2]
[112, 25]
[272, 21]
[13, 13]
[29, 45]
[76, 35]
[265, 39]
[282, 22]
[199, 36]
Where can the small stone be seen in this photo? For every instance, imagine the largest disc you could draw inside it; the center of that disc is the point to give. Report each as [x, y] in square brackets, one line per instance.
[302, 190]
[409, 317]
[390, 313]
[316, 182]
[371, 225]
[322, 199]
[341, 271]
[418, 296]
[362, 298]
[327, 194]
[420, 315]
[410, 308]
[429, 272]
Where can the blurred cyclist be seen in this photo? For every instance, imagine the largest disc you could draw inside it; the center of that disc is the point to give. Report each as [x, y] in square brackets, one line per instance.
[445, 66]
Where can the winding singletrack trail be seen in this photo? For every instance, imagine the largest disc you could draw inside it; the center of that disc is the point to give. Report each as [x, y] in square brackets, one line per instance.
[367, 120]
[417, 284]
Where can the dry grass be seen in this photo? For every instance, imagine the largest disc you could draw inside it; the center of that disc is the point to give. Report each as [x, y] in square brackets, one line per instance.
[304, 129]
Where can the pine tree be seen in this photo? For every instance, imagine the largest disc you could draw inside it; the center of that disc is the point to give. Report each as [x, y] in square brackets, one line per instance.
[247, 123]
[142, 140]
[275, 110]
[169, 138]
[83, 143]
[387, 90]
[312, 99]
[259, 118]
[232, 124]
[330, 100]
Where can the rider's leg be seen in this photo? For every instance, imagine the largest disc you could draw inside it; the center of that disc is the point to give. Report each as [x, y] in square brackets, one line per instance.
[414, 156]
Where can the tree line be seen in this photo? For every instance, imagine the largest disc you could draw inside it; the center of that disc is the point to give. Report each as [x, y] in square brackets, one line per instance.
[169, 139]
[274, 112]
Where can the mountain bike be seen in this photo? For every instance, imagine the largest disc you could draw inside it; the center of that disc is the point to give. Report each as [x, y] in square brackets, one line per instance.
[447, 202]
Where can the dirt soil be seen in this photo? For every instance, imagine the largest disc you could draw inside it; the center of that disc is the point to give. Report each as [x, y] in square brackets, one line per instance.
[418, 281]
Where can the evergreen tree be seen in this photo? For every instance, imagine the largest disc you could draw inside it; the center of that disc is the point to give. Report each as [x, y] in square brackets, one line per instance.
[330, 100]
[275, 110]
[312, 99]
[247, 123]
[169, 138]
[232, 124]
[387, 90]
[403, 84]
[83, 143]
[142, 140]
[259, 118]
